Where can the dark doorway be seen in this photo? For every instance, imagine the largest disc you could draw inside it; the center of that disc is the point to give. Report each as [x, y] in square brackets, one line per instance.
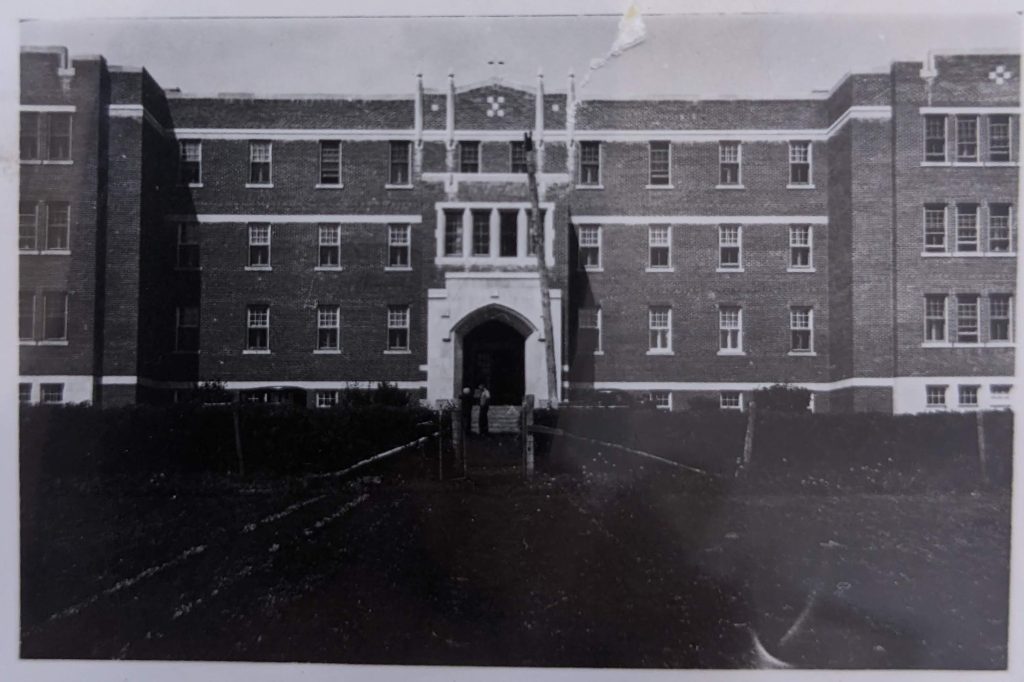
[493, 354]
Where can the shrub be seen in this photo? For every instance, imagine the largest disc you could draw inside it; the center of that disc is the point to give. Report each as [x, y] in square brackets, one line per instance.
[703, 403]
[781, 398]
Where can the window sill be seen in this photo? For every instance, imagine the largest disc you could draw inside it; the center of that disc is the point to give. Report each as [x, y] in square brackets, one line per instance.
[326, 351]
[255, 351]
[966, 344]
[598, 352]
[729, 270]
[731, 352]
[398, 268]
[322, 186]
[659, 269]
[389, 186]
[798, 270]
[801, 186]
[659, 352]
[328, 268]
[656, 187]
[589, 186]
[259, 185]
[28, 252]
[398, 352]
[968, 254]
[729, 187]
[194, 185]
[968, 164]
[586, 269]
[54, 252]
[52, 342]
[258, 268]
[802, 354]
[47, 162]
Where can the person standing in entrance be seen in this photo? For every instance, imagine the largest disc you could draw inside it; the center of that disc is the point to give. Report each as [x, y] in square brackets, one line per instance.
[466, 406]
[485, 404]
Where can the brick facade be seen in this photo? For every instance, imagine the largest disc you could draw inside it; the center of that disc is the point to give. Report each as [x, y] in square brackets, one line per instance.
[860, 294]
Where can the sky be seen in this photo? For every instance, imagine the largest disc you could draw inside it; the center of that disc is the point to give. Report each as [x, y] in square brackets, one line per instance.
[748, 55]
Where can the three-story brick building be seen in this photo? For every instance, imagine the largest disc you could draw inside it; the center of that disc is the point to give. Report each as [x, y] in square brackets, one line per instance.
[860, 244]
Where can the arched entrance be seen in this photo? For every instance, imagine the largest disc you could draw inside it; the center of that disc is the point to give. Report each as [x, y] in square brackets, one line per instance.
[490, 348]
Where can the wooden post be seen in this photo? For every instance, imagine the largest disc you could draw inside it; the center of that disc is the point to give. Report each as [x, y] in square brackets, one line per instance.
[440, 444]
[457, 437]
[748, 440]
[238, 440]
[537, 236]
[982, 450]
[526, 421]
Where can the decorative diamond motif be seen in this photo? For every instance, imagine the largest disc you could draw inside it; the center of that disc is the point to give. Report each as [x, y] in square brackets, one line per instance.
[495, 106]
[1000, 74]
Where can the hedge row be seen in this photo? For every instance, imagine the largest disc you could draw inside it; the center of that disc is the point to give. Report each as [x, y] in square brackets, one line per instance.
[798, 452]
[65, 440]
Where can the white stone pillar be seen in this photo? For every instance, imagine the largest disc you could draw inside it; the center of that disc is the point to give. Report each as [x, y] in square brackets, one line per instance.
[495, 236]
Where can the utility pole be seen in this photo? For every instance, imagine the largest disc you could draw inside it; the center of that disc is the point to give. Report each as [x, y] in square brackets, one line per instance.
[537, 239]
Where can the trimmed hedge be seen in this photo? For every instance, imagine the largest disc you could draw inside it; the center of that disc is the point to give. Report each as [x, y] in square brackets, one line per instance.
[865, 452]
[68, 440]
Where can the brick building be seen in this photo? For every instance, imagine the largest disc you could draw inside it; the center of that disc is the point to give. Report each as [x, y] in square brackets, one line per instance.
[860, 244]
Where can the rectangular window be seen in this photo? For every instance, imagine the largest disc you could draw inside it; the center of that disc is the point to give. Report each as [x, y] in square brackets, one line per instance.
[24, 393]
[968, 395]
[935, 317]
[58, 222]
[660, 246]
[590, 163]
[935, 228]
[188, 245]
[730, 400]
[966, 228]
[730, 329]
[589, 338]
[730, 246]
[330, 162]
[398, 327]
[481, 233]
[191, 162]
[935, 396]
[328, 327]
[1000, 316]
[967, 318]
[59, 138]
[186, 335]
[258, 328]
[660, 325]
[260, 157]
[51, 394]
[801, 329]
[325, 399]
[590, 247]
[399, 172]
[31, 122]
[26, 316]
[800, 244]
[453, 233]
[799, 163]
[1001, 392]
[508, 237]
[55, 316]
[660, 164]
[967, 138]
[662, 400]
[935, 138]
[999, 138]
[329, 246]
[27, 228]
[399, 243]
[259, 246]
[999, 228]
[517, 157]
[469, 157]
[729, 158]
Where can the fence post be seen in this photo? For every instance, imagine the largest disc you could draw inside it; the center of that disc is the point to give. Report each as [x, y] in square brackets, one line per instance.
[982, 451]
[457, 438]
[238, 440]
[748, 439]
[526, 421]
[440, 443]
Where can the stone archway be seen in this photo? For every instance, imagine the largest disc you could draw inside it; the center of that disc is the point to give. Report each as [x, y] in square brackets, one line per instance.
[490, 348]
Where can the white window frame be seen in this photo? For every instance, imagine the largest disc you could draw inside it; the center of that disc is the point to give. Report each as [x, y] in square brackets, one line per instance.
[659, 237]
[659, 330]
[257, 241]
[661, 181]
[658, 396]
[1010, 245]
[44, 398]
[512, 147]
[730, 335]
[936, 396]
[257, 316]
[328, 237]
[930, 210]
[464, 147]
[22, 222]
[254, 157]
[400, 238]
[945, 138]
[960, 158]
[600, 165]
[944, 326]
[1008, 317]
[596, 244]
[795, 160]
[796, 246]
[1009, 138]
[399, 318]
[186, 158]
[598, 324]
[63, 338]
[326, 399]
[796, 325]
[725, 158]
[32, 336]
[968, 390]
[24, 393]
[328, 317]
[320, 166]
[976, 242]
[964, 329]
[723, 244]
[485, 215]
[730, 394]
[55, 208]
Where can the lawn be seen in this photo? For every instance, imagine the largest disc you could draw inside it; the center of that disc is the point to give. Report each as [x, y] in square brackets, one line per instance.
[609, 565]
